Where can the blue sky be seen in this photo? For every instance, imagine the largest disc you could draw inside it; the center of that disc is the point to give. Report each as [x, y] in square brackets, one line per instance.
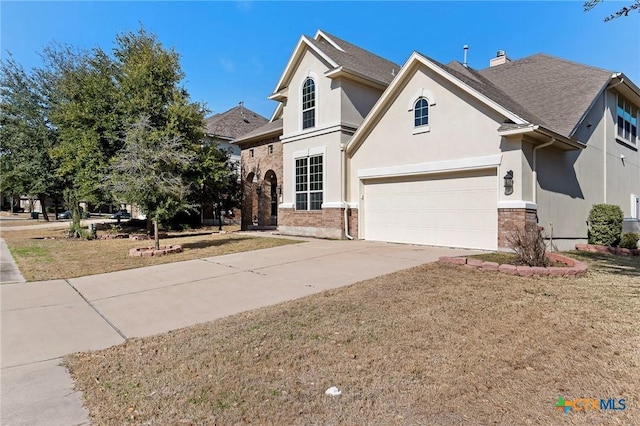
[236, 51]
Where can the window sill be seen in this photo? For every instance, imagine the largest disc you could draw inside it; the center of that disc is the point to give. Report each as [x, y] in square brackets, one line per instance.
[626, 143]
[421, 129]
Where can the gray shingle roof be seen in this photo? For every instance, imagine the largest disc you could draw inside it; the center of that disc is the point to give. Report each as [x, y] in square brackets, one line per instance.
[558, 91]
[234, 123]
[357, 59]
[270, 128]
[478, 82]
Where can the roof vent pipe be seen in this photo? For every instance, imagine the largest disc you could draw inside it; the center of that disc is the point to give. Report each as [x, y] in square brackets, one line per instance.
[466, 51]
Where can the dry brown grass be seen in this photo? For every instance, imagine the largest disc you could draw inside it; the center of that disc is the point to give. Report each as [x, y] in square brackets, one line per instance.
[430, 345]
[45, 254]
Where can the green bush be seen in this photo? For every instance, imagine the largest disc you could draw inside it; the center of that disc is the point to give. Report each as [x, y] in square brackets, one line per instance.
[629, 240]
[605, 224]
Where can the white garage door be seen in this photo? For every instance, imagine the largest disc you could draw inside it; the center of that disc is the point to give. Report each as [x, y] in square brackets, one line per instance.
[456, 210]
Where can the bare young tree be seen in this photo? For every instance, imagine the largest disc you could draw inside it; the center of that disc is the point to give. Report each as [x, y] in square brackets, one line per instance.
[149, 171]
[623, 11]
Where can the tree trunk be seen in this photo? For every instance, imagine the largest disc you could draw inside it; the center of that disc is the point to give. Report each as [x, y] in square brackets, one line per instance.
[156, 235]
[45, 216]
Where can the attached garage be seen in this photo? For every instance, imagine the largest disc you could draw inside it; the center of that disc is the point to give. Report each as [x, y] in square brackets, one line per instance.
[449, 209]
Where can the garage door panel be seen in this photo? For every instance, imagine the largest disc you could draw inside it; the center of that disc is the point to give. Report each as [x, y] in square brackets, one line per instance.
[454, 210]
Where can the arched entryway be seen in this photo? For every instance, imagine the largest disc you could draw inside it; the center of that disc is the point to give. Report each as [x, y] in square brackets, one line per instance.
[272, 196]
[249, 202]
[260, 203]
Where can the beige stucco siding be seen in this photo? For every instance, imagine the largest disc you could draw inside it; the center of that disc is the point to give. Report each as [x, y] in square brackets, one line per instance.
[327, 99]
[569, 183]
[329, 145]
[356, 100]
[461, 127]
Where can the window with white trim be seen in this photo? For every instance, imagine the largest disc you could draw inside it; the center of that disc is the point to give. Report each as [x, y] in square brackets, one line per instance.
[308, 104]
[421, 112]
[309, 183]
[627, 120]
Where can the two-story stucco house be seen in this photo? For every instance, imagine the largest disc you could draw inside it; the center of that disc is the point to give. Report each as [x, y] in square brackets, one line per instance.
[445, 155]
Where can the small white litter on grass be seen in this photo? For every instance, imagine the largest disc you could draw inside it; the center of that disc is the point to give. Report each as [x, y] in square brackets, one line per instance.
[333, 391]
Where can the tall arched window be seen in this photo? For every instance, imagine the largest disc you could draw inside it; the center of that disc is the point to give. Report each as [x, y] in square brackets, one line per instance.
[421, 112]
[308, 104]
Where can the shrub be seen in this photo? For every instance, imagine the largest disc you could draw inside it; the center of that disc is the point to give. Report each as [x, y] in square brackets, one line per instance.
[605, 224]
[629, 240]
[529, 247]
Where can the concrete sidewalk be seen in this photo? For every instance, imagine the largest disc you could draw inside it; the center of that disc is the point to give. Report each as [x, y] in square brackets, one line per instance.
[43, 321]
[9, 272]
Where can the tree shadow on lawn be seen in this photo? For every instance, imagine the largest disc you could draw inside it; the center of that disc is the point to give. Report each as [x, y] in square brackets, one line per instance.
[202, 244]
[610, 263]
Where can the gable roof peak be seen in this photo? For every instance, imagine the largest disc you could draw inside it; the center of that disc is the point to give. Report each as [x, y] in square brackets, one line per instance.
[323, 35]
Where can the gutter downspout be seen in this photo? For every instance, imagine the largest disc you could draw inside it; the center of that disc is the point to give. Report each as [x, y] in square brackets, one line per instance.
[535, 172]
[343, 190]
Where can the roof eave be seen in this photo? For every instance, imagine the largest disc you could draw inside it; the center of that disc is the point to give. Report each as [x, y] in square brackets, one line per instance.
[342, 72]
[279, 96]
[560, 141]
[254, 138]
[217, 136]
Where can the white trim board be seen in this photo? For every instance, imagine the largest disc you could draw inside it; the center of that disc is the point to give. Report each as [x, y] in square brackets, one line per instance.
[432, 167]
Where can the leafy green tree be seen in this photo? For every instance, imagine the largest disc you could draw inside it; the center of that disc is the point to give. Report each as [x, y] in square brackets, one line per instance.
[85, 103]
[149, 77]
[218, 180]
[27, 136]
[149, 172]
[149, 80]
[623, 11]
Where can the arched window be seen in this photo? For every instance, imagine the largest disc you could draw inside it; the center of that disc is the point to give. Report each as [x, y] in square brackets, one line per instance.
[421, 112]
[308, 104]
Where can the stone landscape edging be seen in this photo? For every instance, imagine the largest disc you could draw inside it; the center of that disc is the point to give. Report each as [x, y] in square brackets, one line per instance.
[574, 268]
[150, 252]
[593, 248]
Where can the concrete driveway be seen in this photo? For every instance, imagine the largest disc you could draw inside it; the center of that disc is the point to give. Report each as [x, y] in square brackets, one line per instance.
[43, 321]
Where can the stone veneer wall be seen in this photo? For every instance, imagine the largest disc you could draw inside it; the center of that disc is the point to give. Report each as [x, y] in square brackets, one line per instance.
[510, 220]
[261, 162]
[325, 223]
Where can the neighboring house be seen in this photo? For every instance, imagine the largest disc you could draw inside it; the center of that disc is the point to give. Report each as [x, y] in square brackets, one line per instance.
[226, 127]
[444, 154]
[223, 129]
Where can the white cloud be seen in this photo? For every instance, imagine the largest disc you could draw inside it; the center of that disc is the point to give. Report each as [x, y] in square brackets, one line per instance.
[257, 65]
[244, 5]
[227, 65]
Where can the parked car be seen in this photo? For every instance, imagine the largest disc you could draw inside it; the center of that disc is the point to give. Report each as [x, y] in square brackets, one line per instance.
[65, 215]
[122, 214]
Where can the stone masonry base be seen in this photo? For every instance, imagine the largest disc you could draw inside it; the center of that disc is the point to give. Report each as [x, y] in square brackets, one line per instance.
[510, 220]
[325, 223]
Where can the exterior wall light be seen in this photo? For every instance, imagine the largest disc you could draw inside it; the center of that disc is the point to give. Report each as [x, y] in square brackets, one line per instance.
[508, 183]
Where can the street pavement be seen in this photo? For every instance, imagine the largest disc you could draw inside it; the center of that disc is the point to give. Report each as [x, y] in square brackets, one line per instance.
[43, 321]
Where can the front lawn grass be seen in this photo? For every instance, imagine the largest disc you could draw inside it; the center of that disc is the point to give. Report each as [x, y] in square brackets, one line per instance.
[436, 344]
[45, 254]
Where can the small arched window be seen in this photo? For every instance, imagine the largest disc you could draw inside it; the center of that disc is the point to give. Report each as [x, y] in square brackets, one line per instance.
[308, 104]
[421, 112]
